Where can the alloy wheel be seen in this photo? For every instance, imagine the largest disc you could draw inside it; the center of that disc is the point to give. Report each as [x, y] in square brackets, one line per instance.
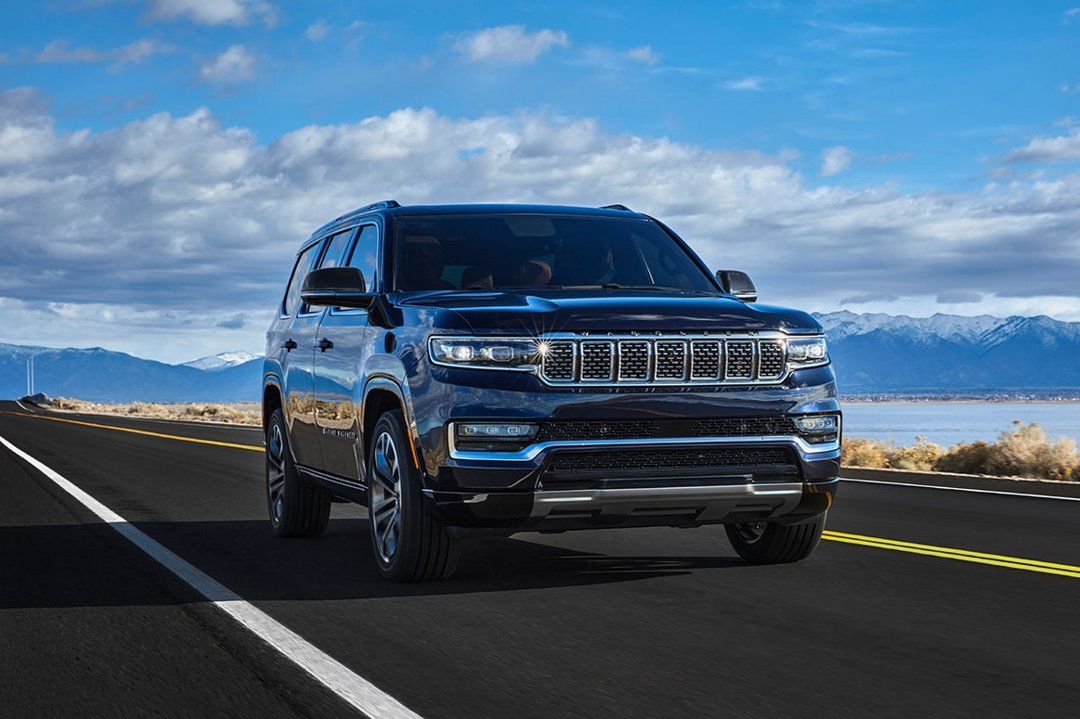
[386, 497]
[275, 473]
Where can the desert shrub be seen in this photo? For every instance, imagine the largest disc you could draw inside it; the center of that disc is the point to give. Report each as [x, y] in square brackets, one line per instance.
[1026, 452]
[922, 456]
[965, 458]
[868, 453]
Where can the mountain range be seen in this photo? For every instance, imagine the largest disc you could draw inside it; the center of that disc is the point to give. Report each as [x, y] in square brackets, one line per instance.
[872, 353]
[952, 354]
[100, 375]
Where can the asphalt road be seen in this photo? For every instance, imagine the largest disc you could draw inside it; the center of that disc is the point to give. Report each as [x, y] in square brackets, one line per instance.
[642, 623]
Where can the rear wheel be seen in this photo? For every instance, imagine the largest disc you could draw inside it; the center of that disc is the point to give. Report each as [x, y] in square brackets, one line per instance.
[296, 508]
[409, 543]
[773, 543]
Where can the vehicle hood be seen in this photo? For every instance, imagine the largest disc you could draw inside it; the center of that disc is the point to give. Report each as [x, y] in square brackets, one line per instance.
[601, 311]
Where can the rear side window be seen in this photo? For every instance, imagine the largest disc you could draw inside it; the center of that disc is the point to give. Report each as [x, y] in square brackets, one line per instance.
[366, 253]
[335, 250]
[300, 272]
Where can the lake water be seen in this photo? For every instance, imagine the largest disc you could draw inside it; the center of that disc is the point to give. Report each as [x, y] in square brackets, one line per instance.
[947, 423]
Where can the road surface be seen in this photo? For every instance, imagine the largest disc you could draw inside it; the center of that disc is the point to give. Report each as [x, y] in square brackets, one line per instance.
[889, 618]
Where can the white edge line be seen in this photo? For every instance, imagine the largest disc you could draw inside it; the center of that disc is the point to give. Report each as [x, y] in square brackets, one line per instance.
[24, 409]
[335, 676]
[963, 489]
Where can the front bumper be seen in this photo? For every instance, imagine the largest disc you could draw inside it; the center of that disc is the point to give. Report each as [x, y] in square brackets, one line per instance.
[520, 489]
[677, 506]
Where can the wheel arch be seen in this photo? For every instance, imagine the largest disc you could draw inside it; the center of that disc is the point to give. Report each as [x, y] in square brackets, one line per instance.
[380, 395]
[271, 399]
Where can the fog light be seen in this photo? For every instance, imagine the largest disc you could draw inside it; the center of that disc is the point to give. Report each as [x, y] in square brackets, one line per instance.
[817, 424]
[495, 430]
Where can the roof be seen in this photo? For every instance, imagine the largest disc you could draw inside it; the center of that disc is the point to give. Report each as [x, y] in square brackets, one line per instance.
[392, 208]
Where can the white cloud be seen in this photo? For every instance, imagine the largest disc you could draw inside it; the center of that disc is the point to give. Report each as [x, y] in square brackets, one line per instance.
[213, 12]
[179, 223]
[234, 65]
[317, 30]
[835, 160]
[1071, 14]
[509, 44]
[1060, 148]
[59, 51]
[746, 83]
[643, 53]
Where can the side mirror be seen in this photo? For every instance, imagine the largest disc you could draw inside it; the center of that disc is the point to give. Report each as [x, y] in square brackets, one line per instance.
[737, 283]
[336, 287]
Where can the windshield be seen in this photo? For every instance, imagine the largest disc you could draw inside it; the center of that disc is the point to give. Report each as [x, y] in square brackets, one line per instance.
[502, 252]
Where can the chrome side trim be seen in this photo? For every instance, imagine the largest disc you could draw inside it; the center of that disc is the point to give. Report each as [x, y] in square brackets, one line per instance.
[717, 500]
[533, 451]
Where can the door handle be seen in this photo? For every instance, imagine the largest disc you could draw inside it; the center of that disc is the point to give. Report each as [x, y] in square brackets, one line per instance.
[288, 345]
[325, 344]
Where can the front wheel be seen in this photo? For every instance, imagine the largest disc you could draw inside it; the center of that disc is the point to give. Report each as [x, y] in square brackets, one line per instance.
[409, 543]
[773, 543]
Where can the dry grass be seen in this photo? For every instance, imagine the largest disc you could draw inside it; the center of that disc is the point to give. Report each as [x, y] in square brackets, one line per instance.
[248, 413]
[1023, 451]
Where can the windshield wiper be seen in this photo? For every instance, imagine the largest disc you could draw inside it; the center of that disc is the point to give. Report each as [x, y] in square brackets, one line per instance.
[617, 286]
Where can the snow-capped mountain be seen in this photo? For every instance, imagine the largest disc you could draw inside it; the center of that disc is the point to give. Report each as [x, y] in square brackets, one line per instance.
[100, 375]
[946, 353]
[221, 360]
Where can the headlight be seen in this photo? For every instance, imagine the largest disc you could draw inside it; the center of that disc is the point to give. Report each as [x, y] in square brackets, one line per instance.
[807, 352]
[485, 352]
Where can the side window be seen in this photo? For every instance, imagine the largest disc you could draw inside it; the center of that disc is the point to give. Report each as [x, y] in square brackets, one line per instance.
[335, 250]
[365, 254]
[300, 272]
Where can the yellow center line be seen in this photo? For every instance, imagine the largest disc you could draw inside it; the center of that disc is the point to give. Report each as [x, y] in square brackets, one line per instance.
[960, 555]
[147, 433]
[896, 545]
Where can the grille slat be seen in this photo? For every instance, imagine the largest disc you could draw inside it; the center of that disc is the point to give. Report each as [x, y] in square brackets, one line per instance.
[558, 362]
[770, 359]
[597, 361]
[634, 360]
[740, 359]
[664, 359]
[705, 359]
[670, 359]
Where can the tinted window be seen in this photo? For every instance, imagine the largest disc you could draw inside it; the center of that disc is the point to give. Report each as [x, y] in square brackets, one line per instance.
[335, 250]
[303, 267]
[365, 254]
[542, 252]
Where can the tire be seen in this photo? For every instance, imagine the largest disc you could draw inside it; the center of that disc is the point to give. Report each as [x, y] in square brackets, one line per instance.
[296, 508]
[773, 543]
[409, 543]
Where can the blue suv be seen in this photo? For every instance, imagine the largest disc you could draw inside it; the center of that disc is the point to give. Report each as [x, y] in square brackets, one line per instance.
[478, 370]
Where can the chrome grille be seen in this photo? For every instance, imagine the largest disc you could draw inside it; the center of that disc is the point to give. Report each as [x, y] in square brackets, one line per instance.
[740, 359]
[670, 360]
[597, 361]
[558, 362]
[643, 360]
[705, 359]
[634, 360]
[770, 359]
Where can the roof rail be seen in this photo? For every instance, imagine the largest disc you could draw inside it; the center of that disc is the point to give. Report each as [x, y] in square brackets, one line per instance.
[380, 205]
[624, 208]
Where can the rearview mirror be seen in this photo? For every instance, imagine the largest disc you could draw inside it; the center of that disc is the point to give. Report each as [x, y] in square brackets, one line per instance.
[336, 287]
[737, 283]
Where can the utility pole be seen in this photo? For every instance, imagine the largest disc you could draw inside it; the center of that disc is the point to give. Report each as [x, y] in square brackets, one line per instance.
[30, 376]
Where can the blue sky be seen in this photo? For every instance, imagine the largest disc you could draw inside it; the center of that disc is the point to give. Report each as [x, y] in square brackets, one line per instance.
[931, 147]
